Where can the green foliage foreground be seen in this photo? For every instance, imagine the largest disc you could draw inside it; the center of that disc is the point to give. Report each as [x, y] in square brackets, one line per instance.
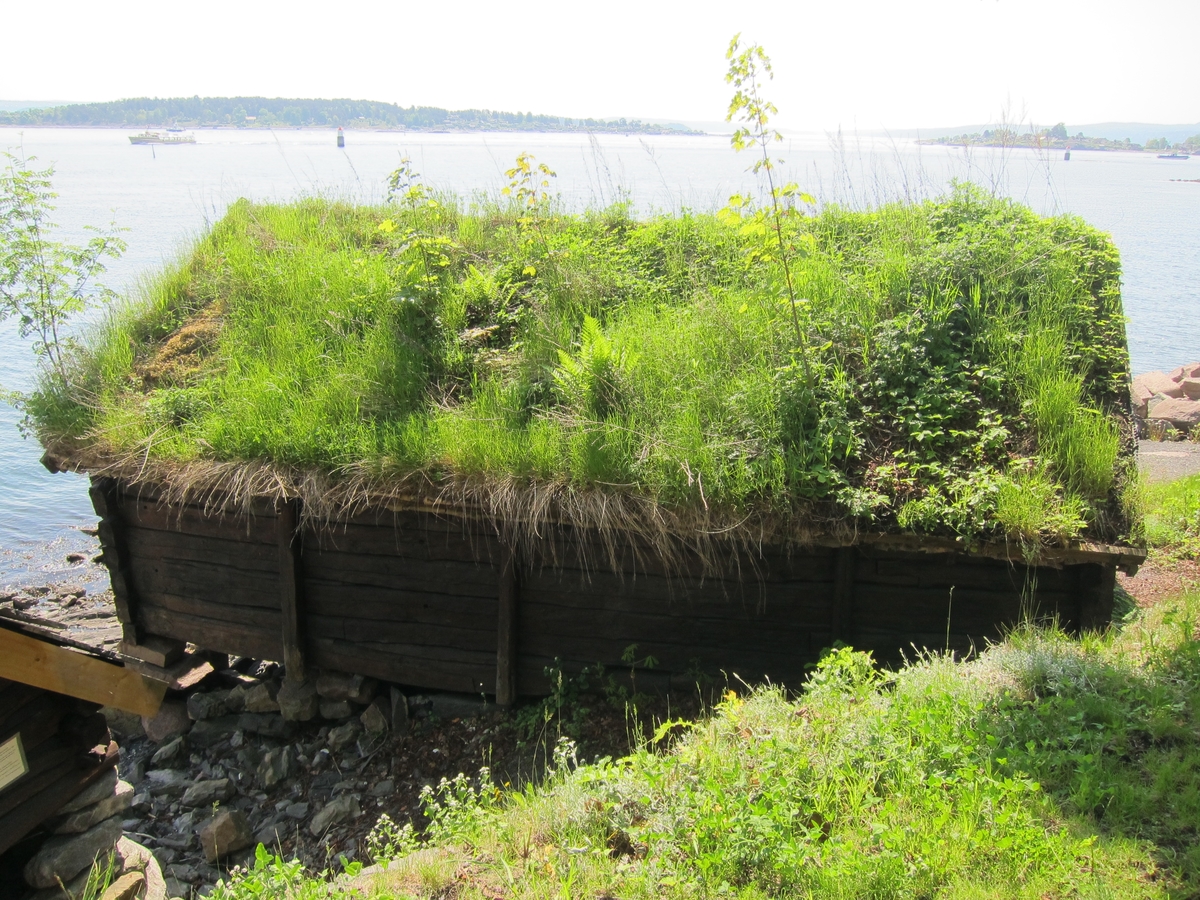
[955, 366]
[1047, 767]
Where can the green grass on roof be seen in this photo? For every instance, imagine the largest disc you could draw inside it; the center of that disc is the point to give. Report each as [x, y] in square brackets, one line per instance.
[964, 372]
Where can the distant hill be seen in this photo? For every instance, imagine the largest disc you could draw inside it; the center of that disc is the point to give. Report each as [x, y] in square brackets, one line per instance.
[264, 112]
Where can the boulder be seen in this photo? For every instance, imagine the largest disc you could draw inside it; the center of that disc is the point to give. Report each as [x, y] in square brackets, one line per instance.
[344, 686]
[167, 782]
[298, 701]
[206, 793]
[1159, 383]
[207, 705]
[261, 698]
[118, 801]
[225, 833]
[122, 724]
[341, 809]
[170, 752]
[1191, 370]
[399, 711]
[275, 766]
[1191, 388]
[374, 719]
[336, 709]
[102, 787]
[128, 887]
[343, 736]
[170, 720]
[1184, 414]
[266, 724]
[210, 732]
[63, 857]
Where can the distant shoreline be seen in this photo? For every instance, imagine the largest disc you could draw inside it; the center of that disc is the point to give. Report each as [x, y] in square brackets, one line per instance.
[383, 129]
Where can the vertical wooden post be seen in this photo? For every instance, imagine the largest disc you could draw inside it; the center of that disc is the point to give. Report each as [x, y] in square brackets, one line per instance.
[105, 497]
[1096, 587]
[841, 625]
[506, 631]
[287, 533]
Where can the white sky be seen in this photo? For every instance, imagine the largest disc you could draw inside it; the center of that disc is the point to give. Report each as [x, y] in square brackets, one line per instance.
[860, 64]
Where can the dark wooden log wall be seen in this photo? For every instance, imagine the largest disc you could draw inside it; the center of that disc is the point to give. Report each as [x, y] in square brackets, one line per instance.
[66, 744]
[438, 603]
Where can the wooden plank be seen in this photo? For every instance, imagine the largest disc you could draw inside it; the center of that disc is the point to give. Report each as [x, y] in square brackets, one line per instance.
[214, 634]
[224, 587]
[105, 498]
[254, 617]
[841, 623]
[409, 543]
[235, 555]
[398, 572]
[191, 520]
[506, 632]
[424, 667]
[382, 605]
[77, 675]
[291, 579]
[481, 637]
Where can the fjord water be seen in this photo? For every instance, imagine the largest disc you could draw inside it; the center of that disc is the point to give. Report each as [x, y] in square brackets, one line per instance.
[166, 195]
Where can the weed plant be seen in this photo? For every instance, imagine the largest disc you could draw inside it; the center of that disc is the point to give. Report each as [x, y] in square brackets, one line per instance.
[1172, 517]
[963, 370]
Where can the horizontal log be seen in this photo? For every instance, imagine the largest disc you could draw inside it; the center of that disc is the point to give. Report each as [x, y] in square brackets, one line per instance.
[408, 543]
[191, 520]
[903, 610]
[249, 616]
[430, 668]
[460, 637]
[392, 572]
[924, 570]
[384, 605]
[224, 587]
[212, 634]
[13, 696]
[227, 553]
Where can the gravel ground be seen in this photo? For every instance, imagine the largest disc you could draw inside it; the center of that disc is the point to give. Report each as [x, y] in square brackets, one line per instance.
[1168, 460]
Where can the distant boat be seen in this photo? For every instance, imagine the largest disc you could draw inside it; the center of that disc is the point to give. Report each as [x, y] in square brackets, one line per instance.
[1067, 156]
[174, 129]
[1172, 156]
[157, 137]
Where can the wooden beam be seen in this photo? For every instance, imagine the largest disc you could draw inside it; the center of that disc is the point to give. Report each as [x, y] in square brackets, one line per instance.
[64, 671]
[506, 632]
[291, 580]
[105, 496]
[841, 624]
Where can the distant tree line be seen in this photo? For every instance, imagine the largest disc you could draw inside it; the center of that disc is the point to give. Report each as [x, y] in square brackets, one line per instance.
[264, 112]
[1057, 138]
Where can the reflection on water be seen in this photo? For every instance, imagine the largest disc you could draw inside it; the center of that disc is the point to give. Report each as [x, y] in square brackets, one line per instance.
[167, 195]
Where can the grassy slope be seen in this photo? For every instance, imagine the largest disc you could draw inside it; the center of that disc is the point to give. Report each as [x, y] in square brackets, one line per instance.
[963, 369]
[1048, 767]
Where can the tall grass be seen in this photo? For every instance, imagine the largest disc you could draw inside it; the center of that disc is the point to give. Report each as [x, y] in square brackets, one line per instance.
[950, 343]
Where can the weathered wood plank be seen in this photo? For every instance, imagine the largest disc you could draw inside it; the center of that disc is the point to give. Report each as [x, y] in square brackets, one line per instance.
[115, 555]
[466, 579]
[239, 556]
[254, 617]
[507, 632]
[841, 623]
[383, 605]
[425, 667]
[214, 634]
[192, 521]
[479, 636]
[291, 580]
[226, 587]
[75, 674]
[409, 543]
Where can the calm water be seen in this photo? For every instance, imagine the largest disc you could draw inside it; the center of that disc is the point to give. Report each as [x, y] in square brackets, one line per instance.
[165, 196]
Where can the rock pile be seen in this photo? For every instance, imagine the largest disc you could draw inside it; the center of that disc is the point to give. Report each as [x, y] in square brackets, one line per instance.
[87, 829]
[236, 762]
[1166, 401]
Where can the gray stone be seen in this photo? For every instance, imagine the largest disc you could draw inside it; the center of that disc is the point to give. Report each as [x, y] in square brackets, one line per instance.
[207, 705]
[172, 751]
[336, 709]
[261, 698]
[170, 720]
[266, 724]
[182, 872]
[383, 788]
[399, 709]
[178, 890]
[374, 718]
[298, 702]
[206, 793]
[296, 810]
[343, 736]
[273, 834]
[167, 782]
[74, 888]
[344, 686]
[117, 802]
[275, 766]
[335, 812]
[65, 856]
[210, 732]
[104, 786]
[225, 833]
[141, 803]
[129, 886]
[1182, 413]
[125, 725]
